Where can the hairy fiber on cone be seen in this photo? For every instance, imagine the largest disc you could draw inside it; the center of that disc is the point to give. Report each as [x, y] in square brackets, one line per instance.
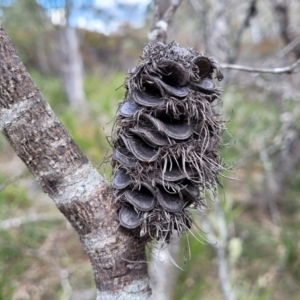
[166, 140]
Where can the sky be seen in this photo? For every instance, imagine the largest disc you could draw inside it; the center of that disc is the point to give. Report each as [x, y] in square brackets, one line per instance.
[100, 15]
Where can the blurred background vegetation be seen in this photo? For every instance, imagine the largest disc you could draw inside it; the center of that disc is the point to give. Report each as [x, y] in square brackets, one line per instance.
[40, 254]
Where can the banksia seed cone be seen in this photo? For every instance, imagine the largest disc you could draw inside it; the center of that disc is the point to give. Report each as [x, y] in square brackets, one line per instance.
[166, 140]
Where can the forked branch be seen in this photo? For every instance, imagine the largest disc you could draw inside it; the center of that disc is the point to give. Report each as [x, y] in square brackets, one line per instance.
[80, 193]
[164, 11]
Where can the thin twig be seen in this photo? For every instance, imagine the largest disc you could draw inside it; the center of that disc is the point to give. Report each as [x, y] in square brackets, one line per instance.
[196, 6]
[251, 12]
[235, 48]
[16, 222]
[201, 11]
[281, 70]
[11, 180]
[271, 182]
[283, 18]
[289, 47]
[65, 283]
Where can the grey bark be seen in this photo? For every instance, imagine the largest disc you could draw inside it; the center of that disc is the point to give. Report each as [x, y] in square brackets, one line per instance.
[63, 171]
[220, 244]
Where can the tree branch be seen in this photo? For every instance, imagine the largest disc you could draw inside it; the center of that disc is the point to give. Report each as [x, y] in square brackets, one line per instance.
[273, 187]
[163, 269]
[201, 11]
[10, 181]
[80, 193]
[164, 11]
[289, 47]
[251, 12]
[280, 70]
[220, 245]
[233, 53]
[30, 218]
[282, 12]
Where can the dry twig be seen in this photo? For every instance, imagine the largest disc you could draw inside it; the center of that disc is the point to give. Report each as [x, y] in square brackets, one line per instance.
[16, 222]
[162, 18]
[280, 70]
[11, 180]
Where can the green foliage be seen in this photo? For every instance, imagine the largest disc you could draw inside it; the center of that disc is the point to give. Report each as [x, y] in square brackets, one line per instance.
[266, 263]
[12, 264]
[12, 198]
[194, 280]
[262, 252]
[20, 30]
[290, 242]
[104, 93]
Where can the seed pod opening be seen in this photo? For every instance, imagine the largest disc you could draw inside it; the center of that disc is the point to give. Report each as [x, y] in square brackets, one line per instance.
[140, 149]
[151, 136]
[175, 174]
[191, 189]
[142, 199]
[171, 202]
[129, 218]
[121, 180]
[179, 92]
[204, 65]
[128, 108]
[148, 98]
[124, 160]
[173, 73]
[205, 84]
[173, 129]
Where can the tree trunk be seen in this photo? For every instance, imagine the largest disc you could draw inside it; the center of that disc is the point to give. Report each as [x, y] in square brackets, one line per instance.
[41, 55]
[71, 68]
[80, 193]
[163, 270]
